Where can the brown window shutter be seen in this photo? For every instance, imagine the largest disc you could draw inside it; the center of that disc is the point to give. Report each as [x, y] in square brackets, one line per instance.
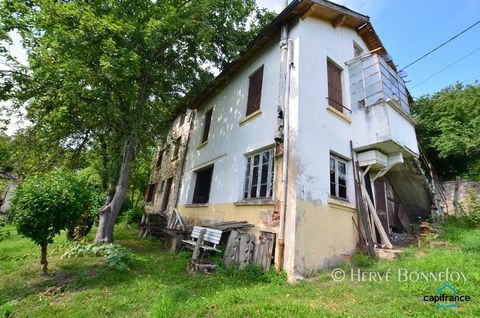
[206, 126]
[255, 91]
[334, 86]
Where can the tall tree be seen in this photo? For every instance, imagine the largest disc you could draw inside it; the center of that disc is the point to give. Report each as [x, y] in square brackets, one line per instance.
[106, 75]
[448, 126]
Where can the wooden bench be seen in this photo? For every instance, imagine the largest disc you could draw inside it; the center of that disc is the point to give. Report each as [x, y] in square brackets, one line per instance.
[210, 239]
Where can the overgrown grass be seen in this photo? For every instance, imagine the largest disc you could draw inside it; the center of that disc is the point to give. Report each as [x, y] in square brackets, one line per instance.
[157, 284]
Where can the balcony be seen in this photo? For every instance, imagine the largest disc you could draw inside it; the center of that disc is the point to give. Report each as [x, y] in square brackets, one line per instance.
[380, 112]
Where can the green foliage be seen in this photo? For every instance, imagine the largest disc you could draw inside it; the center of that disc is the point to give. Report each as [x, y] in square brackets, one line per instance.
[362, 260]
[133, 215]
[6, 310]
[161, 278]
[4, 233]
[6, 154]
[472, 244]
[113, 254]
[45, 205]
[448, 126]
[469, 212]
[103, 75]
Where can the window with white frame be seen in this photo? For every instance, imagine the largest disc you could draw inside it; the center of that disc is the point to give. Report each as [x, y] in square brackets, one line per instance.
[259, 176]
[338, 177]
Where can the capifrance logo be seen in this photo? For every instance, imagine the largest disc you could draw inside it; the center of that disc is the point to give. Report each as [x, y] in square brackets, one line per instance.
[447, 297]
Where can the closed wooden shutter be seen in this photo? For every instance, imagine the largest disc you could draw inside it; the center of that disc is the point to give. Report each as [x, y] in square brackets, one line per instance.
[206, 125]
[335, 86]
[255, 91]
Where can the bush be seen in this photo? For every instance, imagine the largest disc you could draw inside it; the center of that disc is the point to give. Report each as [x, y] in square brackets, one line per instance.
[113, 254]
[133, 215]
[45, 205]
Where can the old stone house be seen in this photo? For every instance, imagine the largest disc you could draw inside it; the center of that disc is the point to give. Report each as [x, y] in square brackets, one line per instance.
[307, 136]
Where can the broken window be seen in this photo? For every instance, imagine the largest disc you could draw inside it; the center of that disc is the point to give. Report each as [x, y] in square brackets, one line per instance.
[176, 147]
[150, 197]
[338, 177]
[206, 125]
[259, 176]
[203, 183]
[166, 195]
[159, 159]
[335, 98]
[255, 91]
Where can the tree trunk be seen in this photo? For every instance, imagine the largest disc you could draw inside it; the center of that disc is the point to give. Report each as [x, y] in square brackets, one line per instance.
[111, 209]
[43, 259]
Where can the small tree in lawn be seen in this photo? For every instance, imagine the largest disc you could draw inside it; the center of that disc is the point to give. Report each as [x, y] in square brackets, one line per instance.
[45, 205]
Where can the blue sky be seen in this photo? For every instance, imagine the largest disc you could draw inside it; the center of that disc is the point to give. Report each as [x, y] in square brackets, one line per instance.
[411, 28]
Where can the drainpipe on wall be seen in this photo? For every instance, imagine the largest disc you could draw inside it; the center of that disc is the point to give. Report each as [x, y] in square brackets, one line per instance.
[284, 94]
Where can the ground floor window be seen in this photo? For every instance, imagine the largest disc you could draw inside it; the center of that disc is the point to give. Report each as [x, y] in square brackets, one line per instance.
[203, 183]
[259, 175]
[338, 177]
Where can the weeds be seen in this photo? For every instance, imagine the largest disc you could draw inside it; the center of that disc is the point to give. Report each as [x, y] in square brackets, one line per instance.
[114, 254]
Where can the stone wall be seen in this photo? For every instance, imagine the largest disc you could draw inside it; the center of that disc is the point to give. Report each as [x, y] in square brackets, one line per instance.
[171, 165]
[457, 191]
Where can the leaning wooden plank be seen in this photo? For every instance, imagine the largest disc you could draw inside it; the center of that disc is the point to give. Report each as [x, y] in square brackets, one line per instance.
[376, 219]
[179, 219]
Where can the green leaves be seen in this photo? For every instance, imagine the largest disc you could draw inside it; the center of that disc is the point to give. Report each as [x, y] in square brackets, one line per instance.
[448, 125]
[45, 205]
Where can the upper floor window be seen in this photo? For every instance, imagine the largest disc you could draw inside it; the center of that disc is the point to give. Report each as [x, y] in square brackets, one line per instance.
[203, 183]
[150, 195]
[338, 177]
[206, 125]
[176, 147]
[255, 91]
[159, 159]
[259, 176]
[335, 97]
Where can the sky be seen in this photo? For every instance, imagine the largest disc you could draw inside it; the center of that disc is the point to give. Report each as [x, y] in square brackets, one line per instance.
[410, 28]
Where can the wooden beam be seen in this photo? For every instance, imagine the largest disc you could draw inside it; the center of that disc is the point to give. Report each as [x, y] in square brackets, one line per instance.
[309, 12]
[339, 21]
[376, 219]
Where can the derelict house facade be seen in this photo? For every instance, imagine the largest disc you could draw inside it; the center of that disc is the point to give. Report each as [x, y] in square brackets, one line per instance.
[307, 136]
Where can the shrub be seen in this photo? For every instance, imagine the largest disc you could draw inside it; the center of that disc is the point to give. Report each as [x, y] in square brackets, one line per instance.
[133, 215]
[113, 254]
[45, 205]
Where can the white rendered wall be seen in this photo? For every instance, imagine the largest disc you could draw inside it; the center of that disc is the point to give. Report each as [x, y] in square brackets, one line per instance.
[228, 142]
[320, 132]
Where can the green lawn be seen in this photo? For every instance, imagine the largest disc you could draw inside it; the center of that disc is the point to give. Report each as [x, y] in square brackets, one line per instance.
[157, 285]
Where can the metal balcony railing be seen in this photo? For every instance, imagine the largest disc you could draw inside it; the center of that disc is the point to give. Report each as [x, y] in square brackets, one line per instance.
[373, 81]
